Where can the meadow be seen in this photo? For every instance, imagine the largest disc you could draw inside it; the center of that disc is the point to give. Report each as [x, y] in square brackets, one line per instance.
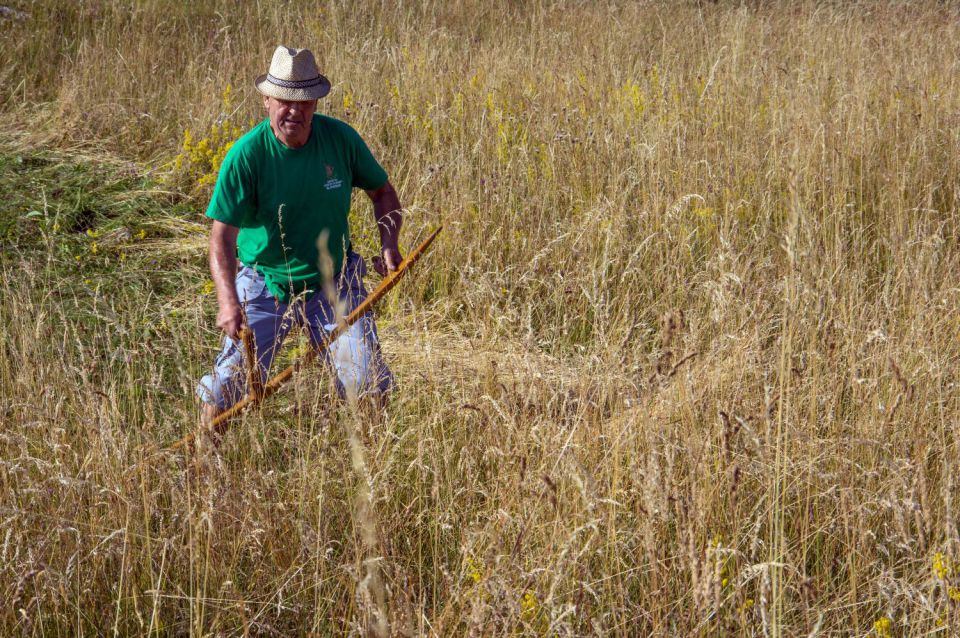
[682, 363]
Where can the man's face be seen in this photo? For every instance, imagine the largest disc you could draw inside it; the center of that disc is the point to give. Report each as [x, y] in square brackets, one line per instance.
[290, 120]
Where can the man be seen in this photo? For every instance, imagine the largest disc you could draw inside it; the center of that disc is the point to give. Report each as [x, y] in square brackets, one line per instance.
[281, 201]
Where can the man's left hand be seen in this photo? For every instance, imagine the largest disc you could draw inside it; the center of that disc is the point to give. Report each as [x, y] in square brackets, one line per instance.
[388, 262]
[387, 212]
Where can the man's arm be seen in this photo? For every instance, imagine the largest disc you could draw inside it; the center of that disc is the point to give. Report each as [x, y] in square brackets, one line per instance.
[223, 269]
[388, 213]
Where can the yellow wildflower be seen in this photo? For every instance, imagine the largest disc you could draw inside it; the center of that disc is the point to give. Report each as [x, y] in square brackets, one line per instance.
[474, 571]
[532, 613]
[94, 249]
[200, 157]
[529, 605]
[941, 566]
[883, 627]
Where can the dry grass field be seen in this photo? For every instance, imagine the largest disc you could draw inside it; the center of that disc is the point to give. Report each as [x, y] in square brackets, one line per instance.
[684, 361]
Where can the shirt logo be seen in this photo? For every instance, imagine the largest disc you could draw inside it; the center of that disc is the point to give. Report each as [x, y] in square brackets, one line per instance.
[332, 181]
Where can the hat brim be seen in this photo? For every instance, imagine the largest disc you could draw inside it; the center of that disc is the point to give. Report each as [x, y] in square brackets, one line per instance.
[315, 92]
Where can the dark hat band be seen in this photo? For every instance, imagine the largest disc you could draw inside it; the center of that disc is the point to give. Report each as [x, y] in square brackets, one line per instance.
[295, 84]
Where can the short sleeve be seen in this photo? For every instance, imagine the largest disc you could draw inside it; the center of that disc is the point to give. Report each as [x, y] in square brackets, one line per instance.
[234, 196]
[367, 172]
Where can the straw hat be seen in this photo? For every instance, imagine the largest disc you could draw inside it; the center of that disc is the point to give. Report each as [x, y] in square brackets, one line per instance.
[293, 76]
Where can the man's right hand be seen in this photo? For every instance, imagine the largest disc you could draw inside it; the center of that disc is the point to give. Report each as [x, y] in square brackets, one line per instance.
[230, 320]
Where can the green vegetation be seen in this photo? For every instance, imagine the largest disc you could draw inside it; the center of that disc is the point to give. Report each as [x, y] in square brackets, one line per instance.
[682, 363]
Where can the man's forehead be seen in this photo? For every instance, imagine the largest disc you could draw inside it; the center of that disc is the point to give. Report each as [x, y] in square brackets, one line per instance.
[279, 102]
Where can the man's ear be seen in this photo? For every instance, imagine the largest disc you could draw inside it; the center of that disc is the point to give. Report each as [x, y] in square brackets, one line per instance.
[266, 102]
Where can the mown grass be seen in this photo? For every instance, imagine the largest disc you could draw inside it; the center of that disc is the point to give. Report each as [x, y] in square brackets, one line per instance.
[682, 363]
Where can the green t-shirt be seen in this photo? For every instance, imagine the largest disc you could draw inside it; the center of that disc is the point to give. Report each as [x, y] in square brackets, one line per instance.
[283, 198]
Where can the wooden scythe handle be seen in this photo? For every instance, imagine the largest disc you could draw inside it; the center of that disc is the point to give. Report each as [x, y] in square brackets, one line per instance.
[254, 380]
[219, 424]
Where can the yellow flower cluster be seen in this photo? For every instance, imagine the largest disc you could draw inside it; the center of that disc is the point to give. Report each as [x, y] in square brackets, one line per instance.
[529, 605]
[943, 569]
[533, 614]
[200, 159]
[633, 98]
[474, 571]
[531, 611]
[941, 566]
[883, 627]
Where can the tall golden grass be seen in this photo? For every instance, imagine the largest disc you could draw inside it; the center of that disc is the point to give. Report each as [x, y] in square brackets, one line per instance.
[684, 362]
